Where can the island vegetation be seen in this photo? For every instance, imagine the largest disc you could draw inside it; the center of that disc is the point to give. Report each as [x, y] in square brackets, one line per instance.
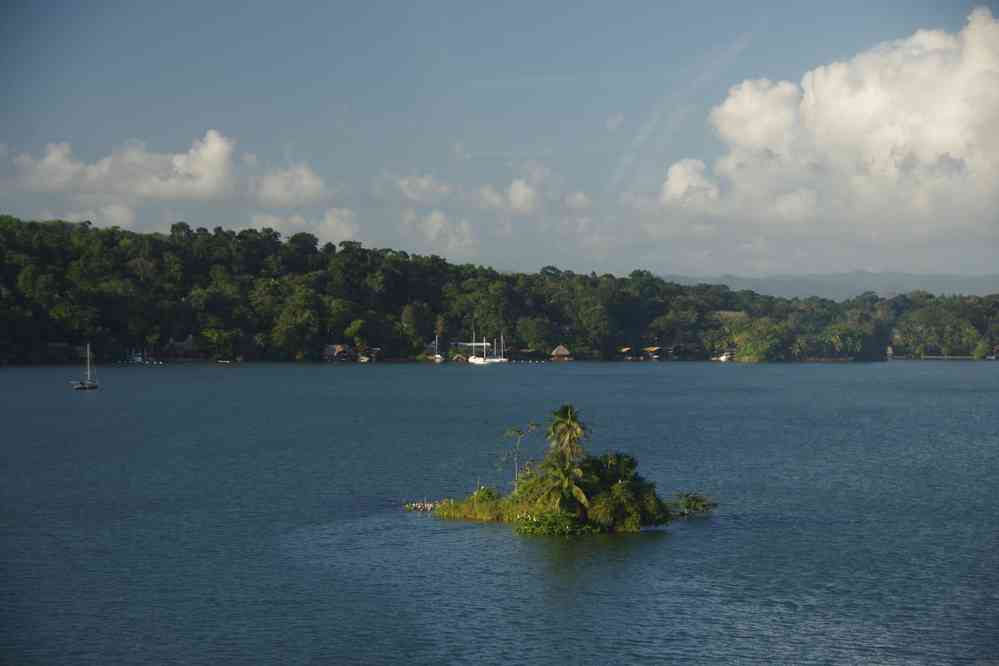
[252, 294]
[570, 492]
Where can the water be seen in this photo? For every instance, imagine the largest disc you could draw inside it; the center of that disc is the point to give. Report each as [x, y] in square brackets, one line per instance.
[212, 514]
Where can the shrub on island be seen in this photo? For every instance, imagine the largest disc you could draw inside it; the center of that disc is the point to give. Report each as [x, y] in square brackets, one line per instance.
[571, 493]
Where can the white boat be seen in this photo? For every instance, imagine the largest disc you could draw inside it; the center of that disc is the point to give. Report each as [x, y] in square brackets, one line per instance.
[486, 359]
[89, 382]
[437, 355]
[725, 357]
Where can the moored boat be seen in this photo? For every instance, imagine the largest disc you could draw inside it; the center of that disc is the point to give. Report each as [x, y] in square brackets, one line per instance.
[89, 382]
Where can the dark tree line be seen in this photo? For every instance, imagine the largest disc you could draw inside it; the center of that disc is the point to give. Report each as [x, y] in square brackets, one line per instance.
[253, 294]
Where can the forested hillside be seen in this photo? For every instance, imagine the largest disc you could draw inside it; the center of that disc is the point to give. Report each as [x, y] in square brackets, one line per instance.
[253, 294]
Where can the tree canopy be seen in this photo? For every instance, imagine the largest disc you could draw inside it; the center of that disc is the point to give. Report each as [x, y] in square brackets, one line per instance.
[253, 294]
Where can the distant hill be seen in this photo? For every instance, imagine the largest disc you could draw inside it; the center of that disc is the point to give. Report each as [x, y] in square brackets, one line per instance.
[841, 286]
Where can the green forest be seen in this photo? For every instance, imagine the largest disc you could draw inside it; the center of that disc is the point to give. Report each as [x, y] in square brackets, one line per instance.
[252, 294]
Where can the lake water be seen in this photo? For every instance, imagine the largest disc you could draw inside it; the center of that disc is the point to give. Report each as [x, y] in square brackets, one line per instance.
[251, 514]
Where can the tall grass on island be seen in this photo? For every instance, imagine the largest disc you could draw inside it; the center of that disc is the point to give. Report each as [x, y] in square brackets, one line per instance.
[569, 492]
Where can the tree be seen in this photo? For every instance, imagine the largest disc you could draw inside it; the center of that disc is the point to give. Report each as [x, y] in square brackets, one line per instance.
[416, 321]
[517, 434]
[561, 484]
[535, 332]
[566, 433]
[355, 332]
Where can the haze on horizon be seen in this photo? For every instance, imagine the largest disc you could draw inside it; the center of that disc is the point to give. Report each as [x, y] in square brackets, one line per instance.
[782, 138]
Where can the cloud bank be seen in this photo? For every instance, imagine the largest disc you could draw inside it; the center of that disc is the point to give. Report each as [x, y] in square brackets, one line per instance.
[897, 144]
[202, 173]
[295, 186]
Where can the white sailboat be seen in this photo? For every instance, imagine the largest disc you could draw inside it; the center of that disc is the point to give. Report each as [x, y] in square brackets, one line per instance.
[475, 359]
[437, 356]
[502, 352]
[89, 383]
[484, 359]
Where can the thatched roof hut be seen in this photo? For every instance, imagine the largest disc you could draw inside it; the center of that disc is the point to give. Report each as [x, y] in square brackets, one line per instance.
[561, 353]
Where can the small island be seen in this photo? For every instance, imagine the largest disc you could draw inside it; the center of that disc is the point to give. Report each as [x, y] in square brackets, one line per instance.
[569, 492]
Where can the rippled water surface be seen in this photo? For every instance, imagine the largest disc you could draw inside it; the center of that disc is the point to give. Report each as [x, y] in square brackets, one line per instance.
[212, 514]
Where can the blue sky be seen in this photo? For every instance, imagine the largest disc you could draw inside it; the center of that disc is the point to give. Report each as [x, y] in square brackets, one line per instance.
[595, 137]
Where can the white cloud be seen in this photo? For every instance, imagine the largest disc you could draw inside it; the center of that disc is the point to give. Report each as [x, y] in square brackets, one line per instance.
[521, 197]
[614, 122]
[340, 223]
[203, 172]
[297, 185]
[423, 189]
[896, 142]
[798, 206]
[440, 233]
[686, 184]
[489, 198]
[336, 224]
[577, 201]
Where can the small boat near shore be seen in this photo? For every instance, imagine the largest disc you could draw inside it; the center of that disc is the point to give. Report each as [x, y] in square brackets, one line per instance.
[89, 382]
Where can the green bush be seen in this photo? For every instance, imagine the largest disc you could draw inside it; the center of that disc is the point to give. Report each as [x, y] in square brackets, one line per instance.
[553, 523]
[688, 504]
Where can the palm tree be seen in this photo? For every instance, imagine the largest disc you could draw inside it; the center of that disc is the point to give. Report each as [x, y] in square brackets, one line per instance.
[566, 433]
[560, 484]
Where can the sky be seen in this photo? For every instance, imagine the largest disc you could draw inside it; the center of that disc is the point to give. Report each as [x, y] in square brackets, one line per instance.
[682, 138]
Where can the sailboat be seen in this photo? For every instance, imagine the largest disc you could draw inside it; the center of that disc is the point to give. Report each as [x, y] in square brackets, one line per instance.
[437, 356]
[89, 383]
[475, 359]
[488, 360]
[502, 352]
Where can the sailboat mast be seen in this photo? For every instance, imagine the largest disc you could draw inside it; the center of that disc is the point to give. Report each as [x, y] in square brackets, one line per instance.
[88, 361]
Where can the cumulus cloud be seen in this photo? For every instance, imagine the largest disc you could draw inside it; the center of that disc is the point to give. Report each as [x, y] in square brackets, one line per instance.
[898, 140]
[440, 233]
[686, 184]
[423, 189]
[521, 197]
[297, 185]
[203, 172]
[340, 223]
[488, 197]
[336, 224]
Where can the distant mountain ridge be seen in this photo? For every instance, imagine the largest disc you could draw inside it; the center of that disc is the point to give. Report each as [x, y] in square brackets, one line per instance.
[841, 286]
